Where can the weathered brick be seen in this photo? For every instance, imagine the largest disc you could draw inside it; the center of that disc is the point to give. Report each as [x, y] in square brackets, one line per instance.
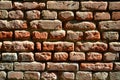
[114, 46]
[1, 46]
[48, 76]
[115, 15]
[93, 5]
[3, 14]
[74, 35]
[6, 66]
[9, 56]
[41, 5]
[46, 14]
[36, 35]
[18, 14]
[48, 46]
[5, 4]
[15, 75]
[109, 25]
[63, 5]
[25, 56]
[3, 75]
[114, 75]
[46, 24]
[31, 66]
[62, 66]
[31, 75]
[60, 56]
[94, 56]
[111, 35]
[109, 56]
[6, 35]
[57, 35]
[4, 24]
[84, 15]
[7, 46]
[66, 15]
[81, 75]
[92, 35]
[38, 46]
[33, 14]
[102, 16]
[67, 76]
[22, 35]
[96, 66]
[77, 56]
[114, 5]
[74, 25]
[91, 46]
[43, 56]
[117, 66]
[100, 76]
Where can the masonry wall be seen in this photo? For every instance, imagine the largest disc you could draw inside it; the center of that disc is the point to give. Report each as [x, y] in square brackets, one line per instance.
[59, 40]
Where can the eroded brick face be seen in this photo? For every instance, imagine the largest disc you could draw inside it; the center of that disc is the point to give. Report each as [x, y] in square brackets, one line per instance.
[59, 40]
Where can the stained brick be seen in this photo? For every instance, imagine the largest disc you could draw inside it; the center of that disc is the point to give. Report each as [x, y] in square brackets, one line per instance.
[3, 14]
[114, 75]
[117, 66]
[9, 56]
[6, 66]
[48, 75]
[114, 5]
[5, 4]
[114, 46]
[100, 76]
[3, 75]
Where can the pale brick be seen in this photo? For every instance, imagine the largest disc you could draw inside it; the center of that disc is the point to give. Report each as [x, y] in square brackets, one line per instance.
[15, 75]
[31, 66]
[6, 35]
[25, 56]
[111, 35]
[18, 14]
[9, 56]
[109, 25]
[117, 66]
[62, 66]
[114, 75]
[4, 24]
[116, 15]
[38, 46]
[74, 35]
[41, 5]
[72, 25]
[18, 5]
[57, 35]
[48, 76]
[67, 76]
[3, 75]
[102, 16]
[31, 75]
[5, 4]
[63, 5]
[60, 56]
[81, 75]
[93, 5]
[77, 56]
[109, 56]
[3, 14]
[94, 56]
[1, 46]
[100, 76]
[6, 66]
[46, 24]
[66, 15]
[46, 14]
[33, 14]
[91, 46]
[43, 56]
[96, 66]
[84, 15]
[114, 46]
[22, 35]
[92, 35]
[114, 5]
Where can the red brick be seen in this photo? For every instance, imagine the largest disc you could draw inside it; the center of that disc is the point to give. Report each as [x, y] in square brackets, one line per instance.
[62, 66]
[31, 66]
[67, 76]
[31, 75]
[15, 75]
[25, 56]
[38, 46]
[5, 4]
[77, 56]
[43, 56]
[96, 66]
[84, 15]
[63, 5]
[22, 35]
[48, 76]
[114, 46]
[36, 35]
[72, 25]
[92, 35]
[60, 56]
[94, 56]
[41, 5]
[6, 35]
[66, 15]
[3, 14]
[115, 15]
[114, 5]
[93, 5]
[48, 46]
[7, 46]
[102, 16]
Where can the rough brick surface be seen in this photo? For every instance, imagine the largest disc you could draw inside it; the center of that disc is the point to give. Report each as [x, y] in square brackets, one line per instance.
[5, 5]
[48, 76]
[67, 76]
[102, 16]
[100, 76]
[3, 14]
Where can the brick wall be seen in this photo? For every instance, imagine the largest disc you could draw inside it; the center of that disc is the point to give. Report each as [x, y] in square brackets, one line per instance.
[59, 40]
